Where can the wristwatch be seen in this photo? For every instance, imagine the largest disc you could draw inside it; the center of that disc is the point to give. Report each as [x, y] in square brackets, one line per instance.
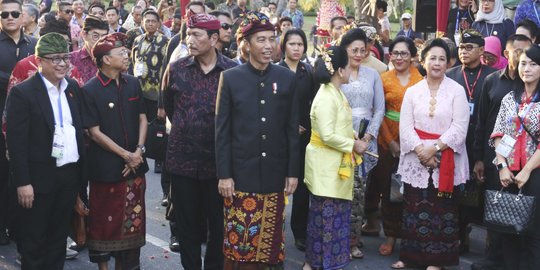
[142, 147]
[437, 147]
[501, 165]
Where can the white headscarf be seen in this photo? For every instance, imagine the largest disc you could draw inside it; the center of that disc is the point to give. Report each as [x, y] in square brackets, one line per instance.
[496, 16]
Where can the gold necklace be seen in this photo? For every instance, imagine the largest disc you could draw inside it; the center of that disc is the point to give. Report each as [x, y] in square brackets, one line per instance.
[432, 104]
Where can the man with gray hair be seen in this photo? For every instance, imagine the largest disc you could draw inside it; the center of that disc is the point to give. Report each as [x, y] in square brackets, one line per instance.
[30, 18]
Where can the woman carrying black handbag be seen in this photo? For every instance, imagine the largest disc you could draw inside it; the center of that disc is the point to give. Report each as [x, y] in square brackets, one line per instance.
[515, 138]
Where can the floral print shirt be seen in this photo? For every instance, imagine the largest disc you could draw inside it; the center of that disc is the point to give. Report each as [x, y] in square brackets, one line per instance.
[508, 123]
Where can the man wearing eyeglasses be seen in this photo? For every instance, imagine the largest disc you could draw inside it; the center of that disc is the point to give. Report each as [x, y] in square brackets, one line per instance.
[225, 32]
[14, 46]
[470, 75]
[45, 138]
[93, 29]
[114, 114]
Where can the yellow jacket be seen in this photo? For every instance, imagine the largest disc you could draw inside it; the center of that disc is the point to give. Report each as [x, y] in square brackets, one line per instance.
[331, 119]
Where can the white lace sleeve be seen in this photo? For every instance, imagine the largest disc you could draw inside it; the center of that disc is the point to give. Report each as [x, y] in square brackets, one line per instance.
[408, 138]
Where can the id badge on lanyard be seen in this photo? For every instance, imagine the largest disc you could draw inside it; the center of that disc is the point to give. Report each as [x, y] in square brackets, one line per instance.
[58, 142]
[59, 136]
[505, 146]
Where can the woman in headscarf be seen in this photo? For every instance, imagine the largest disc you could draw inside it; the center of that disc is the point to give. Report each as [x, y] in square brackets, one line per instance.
[491, 21]
[491, 55]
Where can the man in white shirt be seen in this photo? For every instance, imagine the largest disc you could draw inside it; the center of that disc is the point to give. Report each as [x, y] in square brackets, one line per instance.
[45, 140]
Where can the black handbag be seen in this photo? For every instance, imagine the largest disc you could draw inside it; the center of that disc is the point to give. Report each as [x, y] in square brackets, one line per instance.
[509, 213]
[156, 140]
[472, 193]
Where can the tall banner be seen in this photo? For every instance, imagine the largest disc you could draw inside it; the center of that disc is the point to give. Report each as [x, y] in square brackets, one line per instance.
[443, 7]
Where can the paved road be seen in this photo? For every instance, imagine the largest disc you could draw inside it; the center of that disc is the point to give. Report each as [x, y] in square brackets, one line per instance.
[156, 254]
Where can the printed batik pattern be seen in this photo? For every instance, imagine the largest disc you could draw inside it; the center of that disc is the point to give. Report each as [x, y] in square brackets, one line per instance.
[254, 227]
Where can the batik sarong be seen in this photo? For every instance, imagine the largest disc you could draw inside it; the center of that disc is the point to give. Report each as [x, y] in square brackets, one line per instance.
[327, 243]
[430, 234]
[254, 228]
[117, 219]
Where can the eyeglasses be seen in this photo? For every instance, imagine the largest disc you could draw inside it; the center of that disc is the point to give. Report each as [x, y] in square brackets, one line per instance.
[98, 13]
[397, 54]
[68, 11]
[14, 14]
[95, 36]
[226, 26]
[357, 51]
[468, 47]
[123, 53]
[57, 59]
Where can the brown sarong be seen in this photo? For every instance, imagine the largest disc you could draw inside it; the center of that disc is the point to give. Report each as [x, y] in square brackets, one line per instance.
[117, 219]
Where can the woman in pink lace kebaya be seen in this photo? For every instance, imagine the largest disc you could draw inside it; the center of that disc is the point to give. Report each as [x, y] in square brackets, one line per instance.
[433, 162]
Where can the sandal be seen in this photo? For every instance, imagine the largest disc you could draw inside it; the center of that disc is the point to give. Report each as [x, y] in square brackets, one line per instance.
[356, 253]
[386, 249]
[399, 265]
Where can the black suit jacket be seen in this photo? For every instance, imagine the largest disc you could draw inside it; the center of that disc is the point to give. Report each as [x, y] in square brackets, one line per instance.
[30, 130]
[257, 140]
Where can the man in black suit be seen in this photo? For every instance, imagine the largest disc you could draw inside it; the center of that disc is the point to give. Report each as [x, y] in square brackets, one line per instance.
[45, 142]
[257, 149]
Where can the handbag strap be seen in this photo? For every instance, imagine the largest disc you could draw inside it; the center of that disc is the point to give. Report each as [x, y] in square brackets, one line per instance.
[535, 140]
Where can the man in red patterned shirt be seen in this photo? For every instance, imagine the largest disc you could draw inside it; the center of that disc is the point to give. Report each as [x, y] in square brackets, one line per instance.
[93, 29]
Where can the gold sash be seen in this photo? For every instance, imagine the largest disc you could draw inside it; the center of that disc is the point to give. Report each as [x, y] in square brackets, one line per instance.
[346, 168]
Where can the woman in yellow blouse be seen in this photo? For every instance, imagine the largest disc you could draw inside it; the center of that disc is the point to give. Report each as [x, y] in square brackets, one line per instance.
[329, 165]
[395, 83]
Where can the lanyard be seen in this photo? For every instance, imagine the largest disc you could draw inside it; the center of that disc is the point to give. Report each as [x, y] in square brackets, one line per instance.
[60, 109]
[459, 19]
[470, 90]
[528, 106]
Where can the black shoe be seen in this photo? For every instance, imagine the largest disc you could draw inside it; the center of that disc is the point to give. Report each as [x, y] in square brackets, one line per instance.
[300, 244]
[174, 246]
[165, 200]
[4, 239]
[157, 167]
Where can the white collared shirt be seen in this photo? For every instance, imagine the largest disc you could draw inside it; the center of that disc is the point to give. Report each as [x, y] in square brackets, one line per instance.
[71, 153]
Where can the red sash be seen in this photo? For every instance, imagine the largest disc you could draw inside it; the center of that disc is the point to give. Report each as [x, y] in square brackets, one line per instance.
[446, 168]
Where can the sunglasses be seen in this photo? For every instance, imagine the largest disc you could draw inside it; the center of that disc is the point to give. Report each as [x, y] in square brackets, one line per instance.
[68, 11]
[14, 14]
[226, 26]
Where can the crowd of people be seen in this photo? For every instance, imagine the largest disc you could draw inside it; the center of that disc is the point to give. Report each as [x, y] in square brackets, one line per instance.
[252, 120]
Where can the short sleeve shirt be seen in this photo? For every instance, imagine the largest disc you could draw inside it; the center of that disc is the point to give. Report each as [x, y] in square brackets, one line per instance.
[116, 110]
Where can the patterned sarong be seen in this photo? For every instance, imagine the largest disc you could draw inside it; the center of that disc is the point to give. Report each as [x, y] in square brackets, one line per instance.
[327, 243]
[430, 227]
[254, 228]
[117, 219]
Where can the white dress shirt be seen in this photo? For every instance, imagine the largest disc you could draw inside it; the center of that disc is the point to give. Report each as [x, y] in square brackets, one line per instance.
[71, 153]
